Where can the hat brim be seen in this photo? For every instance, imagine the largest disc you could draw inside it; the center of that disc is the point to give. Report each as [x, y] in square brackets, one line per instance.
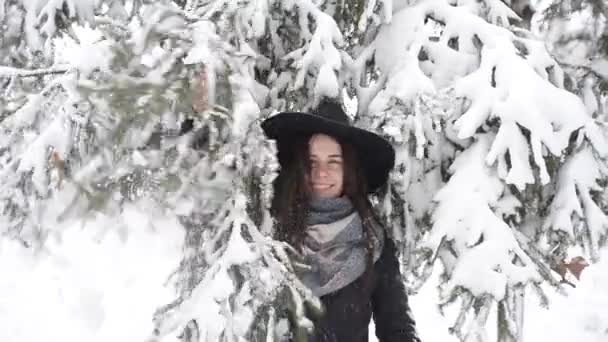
[376, 155]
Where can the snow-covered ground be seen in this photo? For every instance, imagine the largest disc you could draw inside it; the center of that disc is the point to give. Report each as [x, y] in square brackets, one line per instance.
[96, 284]
[580, 316]
[100, 285]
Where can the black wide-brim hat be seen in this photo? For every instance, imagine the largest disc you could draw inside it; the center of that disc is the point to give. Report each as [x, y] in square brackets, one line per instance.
[376, 155]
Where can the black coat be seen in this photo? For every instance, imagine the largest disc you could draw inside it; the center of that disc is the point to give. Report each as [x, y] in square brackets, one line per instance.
[348, 311]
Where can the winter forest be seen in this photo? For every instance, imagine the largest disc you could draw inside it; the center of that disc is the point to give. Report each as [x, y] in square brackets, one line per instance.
[135, 180]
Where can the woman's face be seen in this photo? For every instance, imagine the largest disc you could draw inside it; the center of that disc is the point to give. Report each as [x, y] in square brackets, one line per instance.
[326, 166]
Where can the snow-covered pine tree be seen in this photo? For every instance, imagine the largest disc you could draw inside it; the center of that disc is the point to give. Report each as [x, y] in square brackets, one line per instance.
[577, 34]
[112, 123]
[500, 169]
[490, 146]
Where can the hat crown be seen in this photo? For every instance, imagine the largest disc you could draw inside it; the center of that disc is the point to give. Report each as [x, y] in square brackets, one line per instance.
[331, 110]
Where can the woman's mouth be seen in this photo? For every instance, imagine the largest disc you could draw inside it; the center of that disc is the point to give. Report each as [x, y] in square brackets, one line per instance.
[321, 186]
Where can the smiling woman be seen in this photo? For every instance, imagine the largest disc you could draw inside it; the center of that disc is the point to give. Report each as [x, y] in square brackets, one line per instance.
[326, 172]
[321, 206]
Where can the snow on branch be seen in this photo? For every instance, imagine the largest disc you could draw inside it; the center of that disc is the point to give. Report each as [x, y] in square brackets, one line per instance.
[160, 19]
[489, 257]
[320, 53]
[579, 181]
[210, 295]
[370, 15]
[517, 95]
[505, 79]
[219, 304]
[496, 11]
[42, 15]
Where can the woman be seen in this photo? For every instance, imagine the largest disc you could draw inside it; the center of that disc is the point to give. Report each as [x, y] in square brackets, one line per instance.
[328, 168]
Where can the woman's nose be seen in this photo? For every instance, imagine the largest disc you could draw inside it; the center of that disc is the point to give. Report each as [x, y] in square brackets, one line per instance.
[320, 171]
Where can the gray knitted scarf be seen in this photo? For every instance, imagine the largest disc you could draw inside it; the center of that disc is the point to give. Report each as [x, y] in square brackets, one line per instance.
[335, 246]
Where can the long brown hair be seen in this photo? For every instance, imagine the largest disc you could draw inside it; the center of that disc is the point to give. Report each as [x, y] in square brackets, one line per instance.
[292, 195]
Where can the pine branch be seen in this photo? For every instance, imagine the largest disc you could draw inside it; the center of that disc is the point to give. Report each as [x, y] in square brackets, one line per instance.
[537, 257]
[15, 72]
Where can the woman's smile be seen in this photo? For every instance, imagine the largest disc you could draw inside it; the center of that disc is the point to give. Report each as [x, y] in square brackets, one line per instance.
[322, 186]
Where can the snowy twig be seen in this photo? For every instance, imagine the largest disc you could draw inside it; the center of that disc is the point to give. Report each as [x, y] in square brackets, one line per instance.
[105, 20]
[191, 5]
[271, 325]
[2, 10]
[456, 329]
[14, 72]
[588, 70]
[365, 92]
[275, 257]
[537, 256]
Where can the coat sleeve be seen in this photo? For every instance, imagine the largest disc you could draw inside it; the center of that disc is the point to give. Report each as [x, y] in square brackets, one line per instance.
[392, 315]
